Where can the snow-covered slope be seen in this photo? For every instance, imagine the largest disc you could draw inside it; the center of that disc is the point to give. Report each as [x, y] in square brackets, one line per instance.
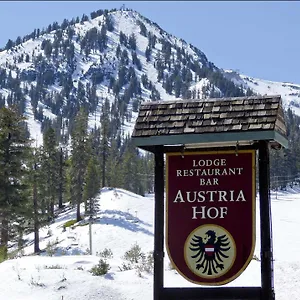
[126, 219]
[289, 92]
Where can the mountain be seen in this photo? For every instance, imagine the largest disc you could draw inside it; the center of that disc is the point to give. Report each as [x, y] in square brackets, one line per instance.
[117, 56]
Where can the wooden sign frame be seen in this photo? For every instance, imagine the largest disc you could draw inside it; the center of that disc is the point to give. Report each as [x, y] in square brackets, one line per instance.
[266, 291]
[237, 123]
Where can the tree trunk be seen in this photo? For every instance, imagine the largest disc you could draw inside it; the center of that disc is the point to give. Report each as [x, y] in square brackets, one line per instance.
[60, 190]
[36, 219]
[78, 217]
[103, 167]
[51, 210]
[4, 235]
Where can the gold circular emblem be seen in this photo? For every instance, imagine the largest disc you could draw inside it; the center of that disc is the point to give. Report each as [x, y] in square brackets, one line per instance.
[209, 251]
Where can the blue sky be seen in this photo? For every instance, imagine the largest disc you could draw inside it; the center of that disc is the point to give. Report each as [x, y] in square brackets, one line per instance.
[260, 39]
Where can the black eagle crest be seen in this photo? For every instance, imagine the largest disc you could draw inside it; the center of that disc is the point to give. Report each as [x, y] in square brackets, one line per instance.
[210, 253]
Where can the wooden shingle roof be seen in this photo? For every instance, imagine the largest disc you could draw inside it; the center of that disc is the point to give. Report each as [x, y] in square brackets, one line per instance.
[211, 120]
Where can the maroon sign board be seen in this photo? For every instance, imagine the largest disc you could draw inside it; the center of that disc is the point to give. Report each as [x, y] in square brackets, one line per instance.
[210, 214]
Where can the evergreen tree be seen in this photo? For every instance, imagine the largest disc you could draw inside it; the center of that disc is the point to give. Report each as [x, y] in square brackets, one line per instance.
[168, 84]
[91, 187]
[105, 134]
[285, 163]
[132, 170]
[148, 53]
[109, 23]
[124, 57]
[14, 147]
[36, 180]
[50, 166]
[9, 44]
[84, 18]
[177, 86]
[115, 172]
[123, 38]
[143, 29]
[61, 178]
[78, 159]
[132, 42]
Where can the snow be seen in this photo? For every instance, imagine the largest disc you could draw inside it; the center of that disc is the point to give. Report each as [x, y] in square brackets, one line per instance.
[290, 92]
[202, 88]
[34, 126]
[124, 220]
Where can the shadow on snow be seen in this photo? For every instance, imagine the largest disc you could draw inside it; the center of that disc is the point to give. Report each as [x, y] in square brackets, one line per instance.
[124, 220]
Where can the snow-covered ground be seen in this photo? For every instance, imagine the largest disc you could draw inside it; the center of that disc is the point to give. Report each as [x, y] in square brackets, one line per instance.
[126, 219]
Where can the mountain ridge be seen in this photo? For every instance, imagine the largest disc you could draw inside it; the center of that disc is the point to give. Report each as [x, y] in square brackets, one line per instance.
[290, 92]
[119, 56]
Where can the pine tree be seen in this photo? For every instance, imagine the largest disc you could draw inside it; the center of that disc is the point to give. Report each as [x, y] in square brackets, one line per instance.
[78, 159]
[132, 42]
[35, 208]
[9, 44]
[115, 173]
[132, 169]
[61, 178]
[148, 53]
[143, 29]
[36, 212]
[91, 187]
[50, 166]
[14, 147]
[105, 133]
[148, 171]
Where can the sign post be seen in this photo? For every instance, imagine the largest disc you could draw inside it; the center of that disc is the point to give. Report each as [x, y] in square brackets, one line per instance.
[211, 149]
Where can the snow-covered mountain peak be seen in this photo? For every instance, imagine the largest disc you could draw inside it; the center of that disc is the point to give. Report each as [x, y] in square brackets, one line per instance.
[117, 56]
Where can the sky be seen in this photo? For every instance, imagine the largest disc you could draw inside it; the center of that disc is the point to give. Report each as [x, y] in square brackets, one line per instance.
[256, 38]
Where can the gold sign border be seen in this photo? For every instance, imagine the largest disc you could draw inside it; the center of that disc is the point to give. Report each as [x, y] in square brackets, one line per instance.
[253, 152]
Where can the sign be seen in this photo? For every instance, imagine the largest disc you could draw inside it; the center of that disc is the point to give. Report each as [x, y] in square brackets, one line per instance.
[210, 212]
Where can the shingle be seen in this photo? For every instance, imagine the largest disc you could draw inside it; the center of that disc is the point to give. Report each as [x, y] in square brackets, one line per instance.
[192, 117]
[255, 126]
[236, 127]
[216, 108]
[200, 129]
[225, 108]
[176, 131]
[207, 109]
[261, 113]
[189, 130]
[245, 127]
[238, 102]
[227, 121]
[174, 118]
[164, 118]
[197, 123]
[267, 126]
[215, 115]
